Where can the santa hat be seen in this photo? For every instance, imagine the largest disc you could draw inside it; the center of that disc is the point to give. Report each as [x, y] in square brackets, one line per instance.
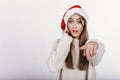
[74, 9]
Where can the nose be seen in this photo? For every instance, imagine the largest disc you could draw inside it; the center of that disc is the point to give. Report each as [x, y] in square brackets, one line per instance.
[74, 25]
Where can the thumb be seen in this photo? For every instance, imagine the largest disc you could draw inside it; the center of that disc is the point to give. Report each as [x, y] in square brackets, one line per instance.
[83, 47]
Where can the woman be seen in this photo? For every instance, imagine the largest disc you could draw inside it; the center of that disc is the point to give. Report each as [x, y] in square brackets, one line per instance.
[74, 56]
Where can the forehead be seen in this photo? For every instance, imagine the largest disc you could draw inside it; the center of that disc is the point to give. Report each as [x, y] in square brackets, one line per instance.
[75, 16]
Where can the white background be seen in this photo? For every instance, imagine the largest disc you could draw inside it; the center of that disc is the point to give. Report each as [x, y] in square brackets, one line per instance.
[29, 27]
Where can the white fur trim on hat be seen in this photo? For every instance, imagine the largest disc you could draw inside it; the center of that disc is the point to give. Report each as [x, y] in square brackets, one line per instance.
[75, 10]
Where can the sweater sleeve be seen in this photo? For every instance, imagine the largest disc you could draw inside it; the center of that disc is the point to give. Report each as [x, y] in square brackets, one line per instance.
[59, 53]
[99, 54]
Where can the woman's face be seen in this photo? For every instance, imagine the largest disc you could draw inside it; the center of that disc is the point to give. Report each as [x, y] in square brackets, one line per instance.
[75, 25]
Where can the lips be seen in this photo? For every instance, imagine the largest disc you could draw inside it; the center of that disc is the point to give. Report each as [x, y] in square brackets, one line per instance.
[75, 31]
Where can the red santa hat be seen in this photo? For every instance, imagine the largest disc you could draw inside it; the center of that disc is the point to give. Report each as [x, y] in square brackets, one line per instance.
[72, 10]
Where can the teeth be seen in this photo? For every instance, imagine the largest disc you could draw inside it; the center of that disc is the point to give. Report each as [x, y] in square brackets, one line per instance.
[74, 30]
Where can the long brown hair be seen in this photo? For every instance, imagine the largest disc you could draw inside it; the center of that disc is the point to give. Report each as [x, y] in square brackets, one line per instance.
[82, 63]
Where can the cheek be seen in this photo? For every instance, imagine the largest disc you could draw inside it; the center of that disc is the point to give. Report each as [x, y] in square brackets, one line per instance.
[80, 29]
[69, 28]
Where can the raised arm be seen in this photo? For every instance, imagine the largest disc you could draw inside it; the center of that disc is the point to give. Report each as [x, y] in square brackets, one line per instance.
[99, 53]
[59, 53]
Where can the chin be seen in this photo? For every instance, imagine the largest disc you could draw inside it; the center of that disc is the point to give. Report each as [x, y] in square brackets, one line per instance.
[75, 36]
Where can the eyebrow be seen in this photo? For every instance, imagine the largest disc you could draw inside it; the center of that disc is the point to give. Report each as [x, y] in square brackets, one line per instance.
[79, 19]
[70, 18]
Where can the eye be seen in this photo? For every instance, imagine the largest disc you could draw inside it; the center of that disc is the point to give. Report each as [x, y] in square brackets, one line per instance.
[70, 21]
[80, 21]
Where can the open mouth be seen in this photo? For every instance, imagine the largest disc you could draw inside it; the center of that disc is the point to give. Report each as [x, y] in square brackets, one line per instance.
[75, 31]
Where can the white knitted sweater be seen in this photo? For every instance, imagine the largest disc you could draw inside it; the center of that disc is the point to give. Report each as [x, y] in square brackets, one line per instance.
[59, 52]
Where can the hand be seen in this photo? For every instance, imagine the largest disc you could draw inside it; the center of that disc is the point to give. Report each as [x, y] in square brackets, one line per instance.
[66, 31]
[89, 49]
